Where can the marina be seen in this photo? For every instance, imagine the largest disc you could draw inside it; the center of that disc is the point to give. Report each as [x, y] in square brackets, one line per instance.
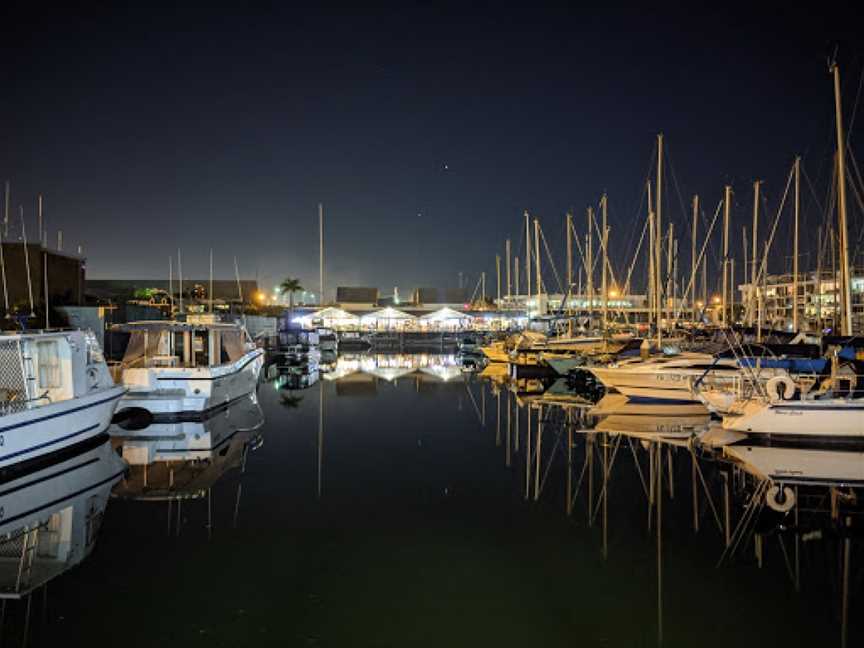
[363, 328]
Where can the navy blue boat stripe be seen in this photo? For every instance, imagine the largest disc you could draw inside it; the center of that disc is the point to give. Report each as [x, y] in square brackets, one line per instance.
[33, 482]
[63, 413]
[48, 443]
[64, 498]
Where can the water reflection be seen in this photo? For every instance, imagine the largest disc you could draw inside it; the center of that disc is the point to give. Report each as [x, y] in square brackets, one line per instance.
[182, 460]
[404, 491]
[50, 518]
[763, 501]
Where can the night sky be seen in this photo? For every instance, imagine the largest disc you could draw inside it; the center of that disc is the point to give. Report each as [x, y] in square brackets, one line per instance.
[424, 132]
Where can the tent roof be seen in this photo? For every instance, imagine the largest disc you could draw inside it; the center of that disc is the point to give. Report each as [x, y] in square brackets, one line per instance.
[445, 313]
[331, 312]
[388, 313]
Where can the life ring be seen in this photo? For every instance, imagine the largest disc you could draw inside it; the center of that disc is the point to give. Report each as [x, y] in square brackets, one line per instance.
[780, 388]
[780, 498]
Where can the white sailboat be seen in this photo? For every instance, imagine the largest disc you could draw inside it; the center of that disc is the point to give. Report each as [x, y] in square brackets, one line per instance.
[184, 369]
[55, 392]
[830, 412]
[812, 417]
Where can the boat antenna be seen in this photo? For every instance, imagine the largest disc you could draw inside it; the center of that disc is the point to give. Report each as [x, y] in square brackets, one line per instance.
[6, 212]
[39, 220]
[27, 261]
[171, 284]
[45, 281]
[237, 277]
[210, 292]
[180, 277]
[3, 271]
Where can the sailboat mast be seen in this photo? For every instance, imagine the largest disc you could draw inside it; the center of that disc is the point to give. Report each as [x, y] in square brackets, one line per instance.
[321, 253]
[589, 270]
[693, 232]
[537, 264]
[670, 281]
[527, 256]
[652, 309]
[846, 326]
[516, 273]
[569, 228]
[603, 287]
[727, 199]
[795, 245]
[507, 267]
[753, 301]
[658, 239]
[498, 276]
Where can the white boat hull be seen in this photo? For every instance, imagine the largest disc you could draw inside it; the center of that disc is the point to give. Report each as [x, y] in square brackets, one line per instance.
[41, 431]
[181, 392]
[801, 465]
[649, 386]
[813, 418]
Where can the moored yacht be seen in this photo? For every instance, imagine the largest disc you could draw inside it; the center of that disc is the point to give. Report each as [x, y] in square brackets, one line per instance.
[184, 369]
[665, 378]
[55, 392]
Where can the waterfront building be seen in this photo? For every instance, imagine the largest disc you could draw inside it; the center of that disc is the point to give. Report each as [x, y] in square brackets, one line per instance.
[818, 301]
[63, 272]
[155, 292]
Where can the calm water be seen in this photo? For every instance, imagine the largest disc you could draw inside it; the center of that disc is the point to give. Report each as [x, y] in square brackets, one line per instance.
[403, 521]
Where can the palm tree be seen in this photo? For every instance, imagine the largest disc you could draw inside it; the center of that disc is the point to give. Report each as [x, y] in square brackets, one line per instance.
[290, 286]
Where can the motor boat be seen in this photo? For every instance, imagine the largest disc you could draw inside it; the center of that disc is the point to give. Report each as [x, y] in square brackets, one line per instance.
[55, 392]
[666, 378]
[184, 369]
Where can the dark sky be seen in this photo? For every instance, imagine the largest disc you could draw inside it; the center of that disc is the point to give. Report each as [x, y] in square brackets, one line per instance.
[424, 132]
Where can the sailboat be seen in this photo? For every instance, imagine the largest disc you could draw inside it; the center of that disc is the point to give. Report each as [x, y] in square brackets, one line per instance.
[833, 411]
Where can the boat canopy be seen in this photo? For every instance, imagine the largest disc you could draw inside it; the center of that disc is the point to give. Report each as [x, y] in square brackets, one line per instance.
[173, 344]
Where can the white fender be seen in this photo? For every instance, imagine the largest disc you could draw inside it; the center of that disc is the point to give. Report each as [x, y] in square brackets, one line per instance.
[776, 501]
[776, 392]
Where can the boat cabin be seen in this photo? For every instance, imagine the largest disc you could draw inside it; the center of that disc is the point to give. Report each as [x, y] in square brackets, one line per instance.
[182, 344]
[42, 368]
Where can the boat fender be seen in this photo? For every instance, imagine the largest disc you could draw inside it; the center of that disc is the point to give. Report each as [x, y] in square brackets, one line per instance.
[780, 498]
[780, 388]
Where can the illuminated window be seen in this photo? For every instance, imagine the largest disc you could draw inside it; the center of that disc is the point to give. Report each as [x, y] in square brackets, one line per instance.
[48, 364]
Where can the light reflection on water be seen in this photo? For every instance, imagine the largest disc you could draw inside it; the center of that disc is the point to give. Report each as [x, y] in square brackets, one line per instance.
[404, 500]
